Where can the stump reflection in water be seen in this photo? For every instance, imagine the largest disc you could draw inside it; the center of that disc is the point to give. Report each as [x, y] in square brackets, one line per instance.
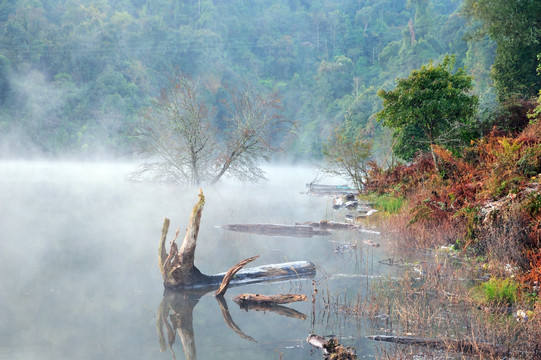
[175, 314]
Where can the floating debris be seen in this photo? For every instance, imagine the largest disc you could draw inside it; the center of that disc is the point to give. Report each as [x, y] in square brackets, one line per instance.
[371, 243]
[345, 247]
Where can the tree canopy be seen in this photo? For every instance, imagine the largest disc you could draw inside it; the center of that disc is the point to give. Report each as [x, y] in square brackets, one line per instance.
[515, 26]
[74, 75]
[428, 105]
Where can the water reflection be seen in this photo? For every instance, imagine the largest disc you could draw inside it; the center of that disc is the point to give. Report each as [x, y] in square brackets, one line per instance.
[175, 315]
[275, 308]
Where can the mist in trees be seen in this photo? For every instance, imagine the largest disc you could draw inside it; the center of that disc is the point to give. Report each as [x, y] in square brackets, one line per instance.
[180, 143]
[75, 76]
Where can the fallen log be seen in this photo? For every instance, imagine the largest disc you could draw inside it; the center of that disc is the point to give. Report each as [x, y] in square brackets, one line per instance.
[320, 189]
[179, 271]
[269, 299]
[462, 346]
[330, 225]
[275, 230]
[332, 349]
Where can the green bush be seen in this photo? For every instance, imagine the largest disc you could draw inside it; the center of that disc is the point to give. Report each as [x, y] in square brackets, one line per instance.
[388, 204]
[499, 291]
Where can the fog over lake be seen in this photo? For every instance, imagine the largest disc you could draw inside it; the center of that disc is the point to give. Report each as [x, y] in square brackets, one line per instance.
[79, 273]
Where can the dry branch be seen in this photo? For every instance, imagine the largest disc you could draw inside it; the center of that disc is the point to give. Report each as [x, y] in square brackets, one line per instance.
[230, 273]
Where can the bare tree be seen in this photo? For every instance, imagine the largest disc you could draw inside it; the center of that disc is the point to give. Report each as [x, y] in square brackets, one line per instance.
[253, 124]
[348, 157]
[179, 142]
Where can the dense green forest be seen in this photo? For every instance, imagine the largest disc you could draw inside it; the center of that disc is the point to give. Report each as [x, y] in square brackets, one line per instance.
[74, 75]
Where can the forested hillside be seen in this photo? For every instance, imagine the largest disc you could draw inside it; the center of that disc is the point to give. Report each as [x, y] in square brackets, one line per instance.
[75, 74]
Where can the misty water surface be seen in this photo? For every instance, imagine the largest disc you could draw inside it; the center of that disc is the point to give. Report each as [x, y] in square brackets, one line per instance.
[79, 274]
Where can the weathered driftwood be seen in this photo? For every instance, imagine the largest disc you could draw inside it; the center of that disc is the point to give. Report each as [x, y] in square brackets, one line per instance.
[269, 299]
[332, 349]
[275, 230]
[179, 271]
[330, 225]
[462, 346]
[178, 267]
[230, 273]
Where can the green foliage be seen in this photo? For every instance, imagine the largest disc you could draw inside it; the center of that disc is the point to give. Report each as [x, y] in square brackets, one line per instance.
[535, 114]
[533, 206]
[325, 58]
[515, 27]
[5, 86]
[498, 291]
[430, 102]
[387, 203]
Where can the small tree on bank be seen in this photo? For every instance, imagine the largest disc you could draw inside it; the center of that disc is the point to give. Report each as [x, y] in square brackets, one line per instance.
[179, 143]
[432, 103]
[348, 157]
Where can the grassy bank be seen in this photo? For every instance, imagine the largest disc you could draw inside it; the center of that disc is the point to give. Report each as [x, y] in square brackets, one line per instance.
[483, 210]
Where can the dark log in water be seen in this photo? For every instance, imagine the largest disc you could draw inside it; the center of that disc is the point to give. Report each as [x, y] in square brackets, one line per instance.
[179, 271]
[275, 230]
[462, 346]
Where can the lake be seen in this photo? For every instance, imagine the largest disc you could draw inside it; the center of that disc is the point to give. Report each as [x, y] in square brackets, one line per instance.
[80, 280]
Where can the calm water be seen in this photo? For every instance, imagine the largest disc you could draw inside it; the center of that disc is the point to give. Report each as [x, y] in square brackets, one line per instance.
[79, 275]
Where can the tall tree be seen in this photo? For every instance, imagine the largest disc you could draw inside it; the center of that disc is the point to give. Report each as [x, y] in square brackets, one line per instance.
[432, 101]
[515, 26]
